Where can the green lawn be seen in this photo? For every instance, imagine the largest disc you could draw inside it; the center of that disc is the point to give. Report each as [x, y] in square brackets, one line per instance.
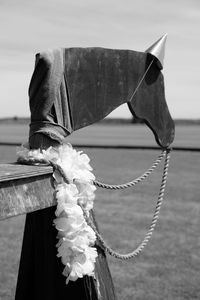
[169, 266]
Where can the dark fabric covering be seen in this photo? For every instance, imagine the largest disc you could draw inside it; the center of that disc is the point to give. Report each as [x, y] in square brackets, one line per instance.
[48, 98]
[74, 87]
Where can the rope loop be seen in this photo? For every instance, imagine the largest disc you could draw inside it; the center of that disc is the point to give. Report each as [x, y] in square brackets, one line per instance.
[148, 235]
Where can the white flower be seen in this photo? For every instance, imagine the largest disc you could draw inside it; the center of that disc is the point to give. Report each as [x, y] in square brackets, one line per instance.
[65, 251]
[69, 225]
[90, 234]
[91, 252]
[82, 264]
[66, 195]
[86, 194]
[51, 154]
[73, 273]
[75, 164]
[23, 151]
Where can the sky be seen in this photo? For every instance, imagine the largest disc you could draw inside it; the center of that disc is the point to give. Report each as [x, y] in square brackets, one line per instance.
[28, 27]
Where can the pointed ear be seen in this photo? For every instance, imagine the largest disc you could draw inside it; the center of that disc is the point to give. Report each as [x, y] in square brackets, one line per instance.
[158, 50]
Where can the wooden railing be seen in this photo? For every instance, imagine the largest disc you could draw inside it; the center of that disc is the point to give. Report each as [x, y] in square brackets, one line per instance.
[24, 189]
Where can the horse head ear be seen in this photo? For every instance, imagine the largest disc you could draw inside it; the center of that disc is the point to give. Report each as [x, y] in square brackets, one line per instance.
[158, 50]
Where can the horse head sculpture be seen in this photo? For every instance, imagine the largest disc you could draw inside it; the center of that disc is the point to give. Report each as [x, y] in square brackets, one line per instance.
[74, 87]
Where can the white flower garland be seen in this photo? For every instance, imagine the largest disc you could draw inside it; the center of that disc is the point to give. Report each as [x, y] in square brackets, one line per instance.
[76, 239]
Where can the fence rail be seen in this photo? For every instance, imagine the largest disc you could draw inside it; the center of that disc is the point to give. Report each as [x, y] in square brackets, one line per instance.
[116, 146]
[24, 189]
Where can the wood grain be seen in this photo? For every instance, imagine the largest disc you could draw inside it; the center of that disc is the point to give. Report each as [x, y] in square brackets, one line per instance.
[24, 189]
[15, 171]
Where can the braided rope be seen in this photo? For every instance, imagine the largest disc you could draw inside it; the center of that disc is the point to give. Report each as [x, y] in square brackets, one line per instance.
[135, 181]
[45, 162]
[153, 222]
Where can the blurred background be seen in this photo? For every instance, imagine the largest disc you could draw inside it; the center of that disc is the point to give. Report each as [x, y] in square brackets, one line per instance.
[169, 267]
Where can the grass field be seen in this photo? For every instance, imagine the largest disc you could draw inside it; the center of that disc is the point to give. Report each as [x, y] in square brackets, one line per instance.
[169, 267]
[186, 136]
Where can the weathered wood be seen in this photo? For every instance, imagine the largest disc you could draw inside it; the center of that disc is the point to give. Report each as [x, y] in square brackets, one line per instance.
[15, 171]
[24, 189]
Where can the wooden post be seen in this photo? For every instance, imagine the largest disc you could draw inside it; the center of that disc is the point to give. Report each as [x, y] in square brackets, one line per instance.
[40, 273]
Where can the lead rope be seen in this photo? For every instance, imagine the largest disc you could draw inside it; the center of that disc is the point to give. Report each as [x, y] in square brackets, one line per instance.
[148, 235]
[135, 181]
